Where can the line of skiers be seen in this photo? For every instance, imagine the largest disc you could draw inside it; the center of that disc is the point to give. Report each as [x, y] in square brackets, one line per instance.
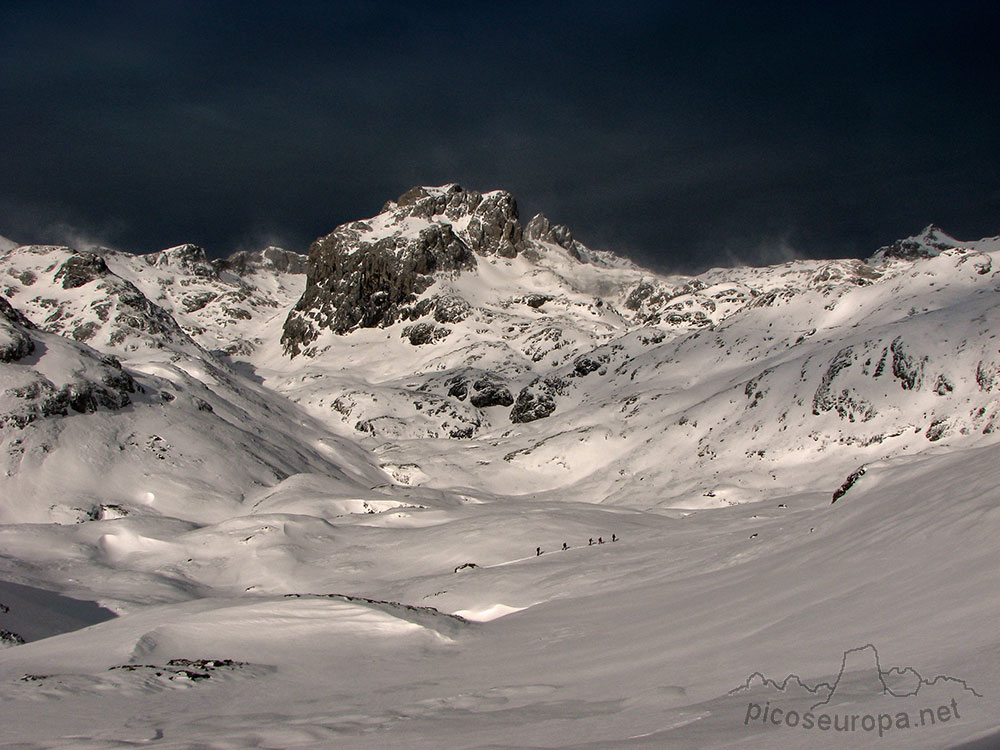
[590, 543]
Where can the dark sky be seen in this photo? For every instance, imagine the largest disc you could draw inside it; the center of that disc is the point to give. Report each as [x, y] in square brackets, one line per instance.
[679, 134]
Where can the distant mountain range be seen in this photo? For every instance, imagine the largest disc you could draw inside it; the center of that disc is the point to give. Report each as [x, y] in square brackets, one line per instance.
[443, 343]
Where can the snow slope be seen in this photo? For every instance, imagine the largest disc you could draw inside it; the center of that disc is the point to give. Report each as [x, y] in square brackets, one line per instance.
[338, 549]
[633, 643]
[169, 429]
[680, 392]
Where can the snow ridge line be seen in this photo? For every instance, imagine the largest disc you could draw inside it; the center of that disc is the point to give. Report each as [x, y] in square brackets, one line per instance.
[426, 616]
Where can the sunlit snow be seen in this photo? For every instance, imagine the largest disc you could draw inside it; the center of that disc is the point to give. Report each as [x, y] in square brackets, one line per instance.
[300, 553]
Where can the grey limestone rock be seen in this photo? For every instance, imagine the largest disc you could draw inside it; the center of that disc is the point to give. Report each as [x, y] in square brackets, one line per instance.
[244, 262]
[489, 391]
[447, 308]
[425, 333]
[8, 639]
[15, 343]
[851, 480]
[925, 245]
[493, 226]
[536, 300]
[369, 274]
[588, 363]
[187, 258]
[353, 283]
[458, 387]
[906, 367]
[543, 230]
[537, 400]
[80, 269]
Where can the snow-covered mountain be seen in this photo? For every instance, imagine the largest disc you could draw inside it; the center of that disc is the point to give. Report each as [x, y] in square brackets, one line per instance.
[573, 370]
[399, 419]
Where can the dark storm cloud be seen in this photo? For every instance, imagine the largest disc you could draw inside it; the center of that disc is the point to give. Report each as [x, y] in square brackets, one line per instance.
[682, 134]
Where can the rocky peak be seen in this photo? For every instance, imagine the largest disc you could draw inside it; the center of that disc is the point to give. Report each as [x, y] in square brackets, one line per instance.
[357, 280]
[927, 244]
[272, 258]
[543, 230]
[369, 273]
[80, 269]
[187, 258]
[428, 202]
[488, 223]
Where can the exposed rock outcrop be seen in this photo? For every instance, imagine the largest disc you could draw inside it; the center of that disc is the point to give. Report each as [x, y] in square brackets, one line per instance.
[488, 392]
[536, 300]
[245, 262]
[353, 282]
[491, 221]
[448, 308]
[31, 395]
[187, 258]
[852, 479]
[80, 269]
[368, 274]
[15, 343]
[909, 369]
[8, 639]
[425, 333]
[543, 230]
[537, 400]
[930, 242]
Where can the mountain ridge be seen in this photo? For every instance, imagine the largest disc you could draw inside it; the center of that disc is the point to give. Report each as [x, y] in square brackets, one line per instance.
[523, 341]
[542, 483]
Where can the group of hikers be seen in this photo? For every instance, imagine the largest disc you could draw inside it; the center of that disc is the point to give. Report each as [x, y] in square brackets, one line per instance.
[590, 543]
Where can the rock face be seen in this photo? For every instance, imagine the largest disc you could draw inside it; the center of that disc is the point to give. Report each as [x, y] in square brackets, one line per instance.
[927, 244]
[81, 269]
[587, 363]
[488, 392]
[15, 343]
[537, 400]
[907, 368]
[175, 298]
[38, 397]
[244, 262]
[852, 479]
[369, 274]
[685, 307]
[448, 308]
[188, 258]
[536, 300]
[102, 306]
[543, 230]
[96, 382]
[491, 225]
[425, 333]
